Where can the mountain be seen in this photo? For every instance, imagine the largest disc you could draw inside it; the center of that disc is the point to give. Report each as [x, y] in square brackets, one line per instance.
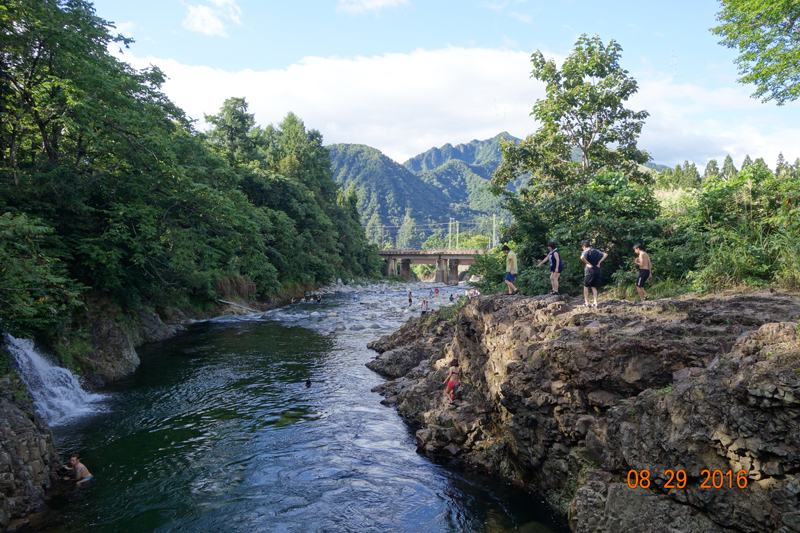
[450, 181]
[386, 189]
[481, 154]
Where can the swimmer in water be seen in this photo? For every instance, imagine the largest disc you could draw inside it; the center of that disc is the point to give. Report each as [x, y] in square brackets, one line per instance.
[80, 474]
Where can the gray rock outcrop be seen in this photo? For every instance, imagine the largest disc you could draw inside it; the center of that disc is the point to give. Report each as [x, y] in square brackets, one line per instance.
[27, 454]
[568, 401]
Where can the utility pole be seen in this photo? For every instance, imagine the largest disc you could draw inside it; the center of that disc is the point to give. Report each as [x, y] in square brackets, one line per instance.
[457, 248]
[494, 238]
[450, 233]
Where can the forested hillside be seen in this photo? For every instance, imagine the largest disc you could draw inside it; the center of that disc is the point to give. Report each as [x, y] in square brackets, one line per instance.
[108, 189]
[410, 202]
[483, 154]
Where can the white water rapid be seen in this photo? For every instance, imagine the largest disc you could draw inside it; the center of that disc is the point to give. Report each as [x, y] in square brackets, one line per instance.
[57, 394]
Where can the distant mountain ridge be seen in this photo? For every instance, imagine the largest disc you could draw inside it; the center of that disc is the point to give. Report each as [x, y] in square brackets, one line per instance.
[448, 181]
[484, 154]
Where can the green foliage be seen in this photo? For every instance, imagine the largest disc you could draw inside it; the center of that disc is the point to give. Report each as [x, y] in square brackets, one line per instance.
[111, 188]
[583, 108]
[34, 292]
[765, 34]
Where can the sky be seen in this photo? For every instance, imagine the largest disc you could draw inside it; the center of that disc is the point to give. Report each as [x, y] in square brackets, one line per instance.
[405, 75]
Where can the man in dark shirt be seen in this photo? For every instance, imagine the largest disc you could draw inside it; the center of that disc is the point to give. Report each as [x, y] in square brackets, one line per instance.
[592, 276]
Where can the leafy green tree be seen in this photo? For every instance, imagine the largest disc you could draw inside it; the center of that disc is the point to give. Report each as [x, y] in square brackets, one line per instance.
[690, 177]
[728, 169]
[434, 242]
[34, 292]
[765, 34]
[747, 162]
[569, 201]
[781, 167]
[584, 107]
[712, 169]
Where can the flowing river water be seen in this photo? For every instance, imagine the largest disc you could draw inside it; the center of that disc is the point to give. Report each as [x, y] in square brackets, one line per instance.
[217, 431]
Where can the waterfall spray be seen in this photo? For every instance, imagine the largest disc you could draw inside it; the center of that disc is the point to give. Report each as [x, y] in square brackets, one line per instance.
[57, 394]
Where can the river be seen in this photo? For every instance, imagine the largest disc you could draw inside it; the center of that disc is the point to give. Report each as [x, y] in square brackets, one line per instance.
[217, 431]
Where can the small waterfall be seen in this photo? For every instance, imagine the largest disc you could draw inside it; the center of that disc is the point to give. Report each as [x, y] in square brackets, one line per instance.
[57, 394]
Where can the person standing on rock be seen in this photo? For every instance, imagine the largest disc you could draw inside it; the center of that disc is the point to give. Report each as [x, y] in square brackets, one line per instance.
[592, 275]
[80, 474]
[556, 265]
[409, 299]
[453, 380]
[645, 270]
[424, 307]
[511, 269]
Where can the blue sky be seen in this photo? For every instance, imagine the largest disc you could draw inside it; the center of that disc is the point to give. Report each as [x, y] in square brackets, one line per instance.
[404, 75]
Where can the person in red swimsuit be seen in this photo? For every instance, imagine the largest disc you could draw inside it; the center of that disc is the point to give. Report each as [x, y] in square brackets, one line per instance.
[453, 380]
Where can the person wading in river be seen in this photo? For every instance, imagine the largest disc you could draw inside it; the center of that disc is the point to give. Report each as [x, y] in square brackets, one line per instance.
[409, 299]
[80, 474]
[453, 380]
[424, 307]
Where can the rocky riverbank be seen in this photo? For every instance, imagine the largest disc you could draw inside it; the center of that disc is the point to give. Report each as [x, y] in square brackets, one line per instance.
[568, 400]
[27, 454]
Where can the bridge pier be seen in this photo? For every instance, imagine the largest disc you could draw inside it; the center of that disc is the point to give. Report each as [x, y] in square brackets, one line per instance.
[391, 266]
[452, 278]
[405, 269]
[441, 270]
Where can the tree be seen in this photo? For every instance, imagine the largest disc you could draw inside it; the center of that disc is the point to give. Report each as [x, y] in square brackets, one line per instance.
[747, 162]
[781, 167]
[584, 108]
[691, 177]
[232, 130]
[434, 242]
[728, 169]
[712, 170]
[765, 32]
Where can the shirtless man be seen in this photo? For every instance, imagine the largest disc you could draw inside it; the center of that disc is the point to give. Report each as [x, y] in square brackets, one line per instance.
[645, 270]
[80, 474]
[409, 298]
[453, 380]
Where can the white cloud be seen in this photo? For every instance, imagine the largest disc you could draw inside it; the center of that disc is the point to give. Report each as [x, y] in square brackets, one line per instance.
[403, 104]
[520, 17]
[362, 6]
[126, 28]
[211, 20]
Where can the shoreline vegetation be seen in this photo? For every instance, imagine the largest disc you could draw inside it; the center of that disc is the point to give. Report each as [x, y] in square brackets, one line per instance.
[112, 199]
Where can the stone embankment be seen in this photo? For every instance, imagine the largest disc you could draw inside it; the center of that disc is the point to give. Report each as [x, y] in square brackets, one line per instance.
[27, 455]
[568, 401]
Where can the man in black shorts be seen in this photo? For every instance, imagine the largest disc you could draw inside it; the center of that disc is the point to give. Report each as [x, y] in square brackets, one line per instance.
[592, 275]
[645, 270]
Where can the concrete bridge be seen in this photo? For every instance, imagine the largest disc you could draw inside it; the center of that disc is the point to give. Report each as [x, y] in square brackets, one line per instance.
[446, 261]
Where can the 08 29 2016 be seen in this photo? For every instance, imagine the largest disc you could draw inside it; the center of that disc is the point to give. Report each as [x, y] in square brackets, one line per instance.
[677, 479]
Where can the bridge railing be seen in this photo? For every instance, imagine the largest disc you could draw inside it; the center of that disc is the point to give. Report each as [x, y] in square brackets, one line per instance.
[449, 251]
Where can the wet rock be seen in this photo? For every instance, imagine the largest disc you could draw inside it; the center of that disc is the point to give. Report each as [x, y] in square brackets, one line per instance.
[356, 327]
[567, 401]
[27, 455]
